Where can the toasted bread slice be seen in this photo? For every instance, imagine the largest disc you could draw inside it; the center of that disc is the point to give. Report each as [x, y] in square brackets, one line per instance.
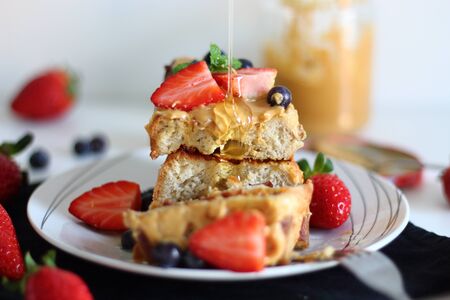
[286, 211]
[276, 134]
[185, 175]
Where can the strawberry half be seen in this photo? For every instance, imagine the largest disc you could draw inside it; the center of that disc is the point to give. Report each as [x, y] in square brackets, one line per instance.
[249, 82]
[235, 242]
[11, 260]
[47, 96]
[103, 206]
[187, 89]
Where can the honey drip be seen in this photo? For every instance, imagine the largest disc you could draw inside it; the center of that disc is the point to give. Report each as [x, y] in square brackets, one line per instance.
[234, 149]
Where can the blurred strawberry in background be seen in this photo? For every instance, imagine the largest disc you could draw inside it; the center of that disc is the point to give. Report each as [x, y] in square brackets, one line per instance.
[47, 96]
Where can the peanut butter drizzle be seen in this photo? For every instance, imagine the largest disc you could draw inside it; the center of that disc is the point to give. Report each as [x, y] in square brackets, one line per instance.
[228, 119]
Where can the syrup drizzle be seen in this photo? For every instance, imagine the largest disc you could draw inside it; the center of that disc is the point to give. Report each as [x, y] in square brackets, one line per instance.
[233, 148]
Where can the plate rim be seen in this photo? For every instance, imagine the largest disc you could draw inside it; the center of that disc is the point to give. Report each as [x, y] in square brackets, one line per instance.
[207, 275]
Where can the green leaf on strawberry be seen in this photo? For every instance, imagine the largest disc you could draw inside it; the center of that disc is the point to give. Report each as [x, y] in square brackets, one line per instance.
[322, 165]
[12, 148]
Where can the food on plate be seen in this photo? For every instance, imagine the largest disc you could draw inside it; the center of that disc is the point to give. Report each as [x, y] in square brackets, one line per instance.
[103, 206]
[10, 175]
[193, 111]
[186, 175]
[285, 211]
[331, 200]
[47, 96]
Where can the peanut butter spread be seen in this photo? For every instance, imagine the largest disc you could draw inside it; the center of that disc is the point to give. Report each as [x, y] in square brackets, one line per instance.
[285, 210]
[230, 118]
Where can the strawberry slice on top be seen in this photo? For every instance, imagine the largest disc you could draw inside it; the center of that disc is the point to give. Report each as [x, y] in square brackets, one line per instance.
[248, 82]
[236, 242]
[187, 89]
[103, 206]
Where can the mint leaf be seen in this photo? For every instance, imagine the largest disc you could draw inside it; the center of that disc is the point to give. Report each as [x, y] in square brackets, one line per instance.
[180, 67]
[236, 64]
[219, 61]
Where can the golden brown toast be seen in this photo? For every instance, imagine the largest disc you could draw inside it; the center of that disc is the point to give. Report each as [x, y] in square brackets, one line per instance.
[267, 133]
[286, 212]
[186, 175]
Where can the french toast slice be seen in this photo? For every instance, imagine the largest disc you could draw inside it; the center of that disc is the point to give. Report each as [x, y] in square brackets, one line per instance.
[286, 212]
[275, 132]
[186, 175]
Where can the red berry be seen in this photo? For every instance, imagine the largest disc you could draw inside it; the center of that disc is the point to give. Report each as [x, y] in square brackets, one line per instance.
[11, 260]
[249, 82]
[331, 201]
[10, 178]
[187, 89]
[446, 183]
[46, 96]
[235, 242]
[50, 283]
[103, 206]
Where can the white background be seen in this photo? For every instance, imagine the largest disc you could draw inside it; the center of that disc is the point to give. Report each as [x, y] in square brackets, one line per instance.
[119, 47]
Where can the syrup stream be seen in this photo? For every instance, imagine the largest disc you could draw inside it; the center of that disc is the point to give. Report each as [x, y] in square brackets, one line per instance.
[230, 46]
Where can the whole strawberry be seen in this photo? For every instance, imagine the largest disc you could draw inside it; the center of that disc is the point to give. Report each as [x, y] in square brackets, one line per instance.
[446, 183]
[47, 96]
[11, 261]
[10, 176]
[331, 200]
[49, 282]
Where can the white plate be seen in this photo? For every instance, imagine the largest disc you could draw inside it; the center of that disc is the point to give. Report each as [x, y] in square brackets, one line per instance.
[379, 214]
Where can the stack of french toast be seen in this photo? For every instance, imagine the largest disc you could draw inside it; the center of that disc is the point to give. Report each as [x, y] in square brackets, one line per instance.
[226, 152]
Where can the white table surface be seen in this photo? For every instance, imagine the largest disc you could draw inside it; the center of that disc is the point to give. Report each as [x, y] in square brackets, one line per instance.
[424, 131]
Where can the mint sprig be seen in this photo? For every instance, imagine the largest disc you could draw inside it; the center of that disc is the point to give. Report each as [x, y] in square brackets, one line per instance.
[322, 165]
[219, 61]
[180, 67]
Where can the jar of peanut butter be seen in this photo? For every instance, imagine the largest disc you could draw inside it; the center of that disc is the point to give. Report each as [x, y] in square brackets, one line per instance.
[323, 55]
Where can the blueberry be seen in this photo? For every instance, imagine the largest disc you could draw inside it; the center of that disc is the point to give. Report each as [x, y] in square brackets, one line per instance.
[245, 63]
[81, 147]
[147, 198]
[279, 95]
[189, 260]
[97, 144]
[39, 159]
[165, 255]
[207, 58]
[127, 240]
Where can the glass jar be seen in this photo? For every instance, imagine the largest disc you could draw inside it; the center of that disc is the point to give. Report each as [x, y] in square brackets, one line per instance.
[324, 56]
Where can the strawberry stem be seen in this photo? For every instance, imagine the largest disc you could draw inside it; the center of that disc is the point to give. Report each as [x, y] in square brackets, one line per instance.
[32, 267]
[12, 148]
[322, 165]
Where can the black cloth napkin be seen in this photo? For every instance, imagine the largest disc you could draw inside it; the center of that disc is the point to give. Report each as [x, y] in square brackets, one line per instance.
[422, 257]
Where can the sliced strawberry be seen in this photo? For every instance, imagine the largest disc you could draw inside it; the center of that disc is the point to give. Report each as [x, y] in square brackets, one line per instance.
[187, 89]
[103, 206]
[235, 242]
[249, 82]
